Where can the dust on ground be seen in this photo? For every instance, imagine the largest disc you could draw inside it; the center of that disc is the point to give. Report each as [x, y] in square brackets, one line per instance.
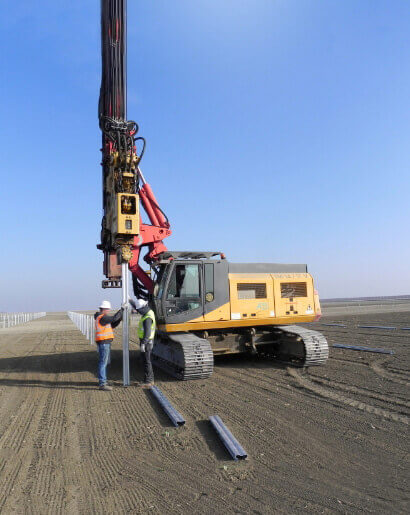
[332, 439]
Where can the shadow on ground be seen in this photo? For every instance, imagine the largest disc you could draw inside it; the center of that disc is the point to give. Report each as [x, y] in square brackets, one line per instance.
[66, 363]
[86, 361]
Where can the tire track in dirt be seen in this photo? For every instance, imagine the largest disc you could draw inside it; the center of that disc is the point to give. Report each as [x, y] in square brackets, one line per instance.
[266, 389]
[115, 476]
[362, 391]
[20, 434]
[348, 361]
[134, 409]
[130, 414]
[46, 482]
[353, 335]
[260, 400]
[9, 476]
[170, 493]
[11, 406]
[400, 372]
[45, 488]
[377, 367]
[53, 421]
[329, 394]
[82, 488]
[72, 467]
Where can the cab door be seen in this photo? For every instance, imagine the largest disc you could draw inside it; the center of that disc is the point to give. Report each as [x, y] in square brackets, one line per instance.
[182, 299]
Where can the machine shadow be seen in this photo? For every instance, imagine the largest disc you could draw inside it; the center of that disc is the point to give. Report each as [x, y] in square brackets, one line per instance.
[247, 361]
[70, 363]
[86, 361]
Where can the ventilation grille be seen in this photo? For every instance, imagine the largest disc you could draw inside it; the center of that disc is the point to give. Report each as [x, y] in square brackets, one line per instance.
[289, 290]
[251, 291]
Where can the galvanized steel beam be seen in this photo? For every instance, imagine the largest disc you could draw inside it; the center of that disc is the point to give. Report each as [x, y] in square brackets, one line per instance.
[176, 418]
[231, 443]
[365, 349]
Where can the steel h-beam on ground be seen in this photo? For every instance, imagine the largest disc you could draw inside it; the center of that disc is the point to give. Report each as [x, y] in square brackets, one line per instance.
[125, 326]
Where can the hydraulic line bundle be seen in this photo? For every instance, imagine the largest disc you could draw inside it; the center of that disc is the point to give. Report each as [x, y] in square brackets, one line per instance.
[122, 233]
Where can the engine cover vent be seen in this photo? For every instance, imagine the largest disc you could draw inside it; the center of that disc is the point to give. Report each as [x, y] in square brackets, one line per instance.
[251, 291]
[290, 290]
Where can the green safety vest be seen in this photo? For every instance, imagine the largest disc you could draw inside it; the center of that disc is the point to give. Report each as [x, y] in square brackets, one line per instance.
[150, 315]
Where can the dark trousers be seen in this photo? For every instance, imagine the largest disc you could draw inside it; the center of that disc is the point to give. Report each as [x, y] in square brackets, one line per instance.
[147, 364]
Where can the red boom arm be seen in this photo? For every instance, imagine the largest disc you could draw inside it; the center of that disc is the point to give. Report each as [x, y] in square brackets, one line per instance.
[150, 236]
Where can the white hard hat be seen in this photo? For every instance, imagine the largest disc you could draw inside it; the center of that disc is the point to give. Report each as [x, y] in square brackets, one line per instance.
[140, 303]
[105, 304]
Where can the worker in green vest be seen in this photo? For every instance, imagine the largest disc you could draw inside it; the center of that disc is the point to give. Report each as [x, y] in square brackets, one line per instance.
[146, 335]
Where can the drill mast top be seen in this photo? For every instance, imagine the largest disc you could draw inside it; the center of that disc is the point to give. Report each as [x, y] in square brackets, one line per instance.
[123, 234]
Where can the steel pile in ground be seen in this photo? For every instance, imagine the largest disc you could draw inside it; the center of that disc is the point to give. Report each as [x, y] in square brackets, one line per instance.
[335, 325]
[176, 418]
[375, 327]
[231, 443]
[365, 349]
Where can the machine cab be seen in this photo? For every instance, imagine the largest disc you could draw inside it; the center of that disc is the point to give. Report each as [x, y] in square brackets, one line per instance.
[185, 287]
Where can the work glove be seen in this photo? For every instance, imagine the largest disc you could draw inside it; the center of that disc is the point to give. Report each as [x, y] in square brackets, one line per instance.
[142, 347]
[132, 303]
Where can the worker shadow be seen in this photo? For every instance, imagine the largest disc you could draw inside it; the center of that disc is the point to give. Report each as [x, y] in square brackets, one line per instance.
[211, 439]
[37, 383]
[60, 369]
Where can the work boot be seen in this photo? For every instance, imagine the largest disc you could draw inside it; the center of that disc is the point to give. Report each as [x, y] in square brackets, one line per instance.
[105, 387]
[146, 385]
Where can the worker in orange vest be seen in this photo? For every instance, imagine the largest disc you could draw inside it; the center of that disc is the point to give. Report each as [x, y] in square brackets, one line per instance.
[104, 335]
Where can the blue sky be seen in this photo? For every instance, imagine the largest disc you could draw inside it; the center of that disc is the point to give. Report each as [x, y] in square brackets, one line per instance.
[277, 130]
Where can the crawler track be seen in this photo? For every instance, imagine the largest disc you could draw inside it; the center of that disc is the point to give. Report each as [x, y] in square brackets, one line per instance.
[184, 356]
[315, 347]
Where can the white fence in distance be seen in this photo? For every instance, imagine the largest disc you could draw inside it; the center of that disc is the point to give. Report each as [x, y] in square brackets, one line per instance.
[11, 319]
[85, 324]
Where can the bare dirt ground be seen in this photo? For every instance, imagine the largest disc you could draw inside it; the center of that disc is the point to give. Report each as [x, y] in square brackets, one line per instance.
[330, 440]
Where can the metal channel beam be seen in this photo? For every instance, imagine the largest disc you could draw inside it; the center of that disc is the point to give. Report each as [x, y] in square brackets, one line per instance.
[365, 349]
[176, 418]
[375, 327]
[231, 443]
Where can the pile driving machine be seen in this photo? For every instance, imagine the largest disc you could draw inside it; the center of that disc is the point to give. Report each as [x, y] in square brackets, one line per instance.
[204, 304]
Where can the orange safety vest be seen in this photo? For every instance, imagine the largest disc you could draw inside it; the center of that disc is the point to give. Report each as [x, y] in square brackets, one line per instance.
[103, 332]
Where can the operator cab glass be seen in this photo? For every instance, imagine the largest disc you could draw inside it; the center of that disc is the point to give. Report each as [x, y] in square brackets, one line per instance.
[178, 292]
[184, 292]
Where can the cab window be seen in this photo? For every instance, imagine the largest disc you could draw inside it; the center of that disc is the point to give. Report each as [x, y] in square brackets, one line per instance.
[184, 282]
[184, 292]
